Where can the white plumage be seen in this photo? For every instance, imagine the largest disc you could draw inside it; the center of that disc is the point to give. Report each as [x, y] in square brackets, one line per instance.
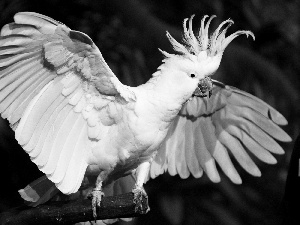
[70, 112]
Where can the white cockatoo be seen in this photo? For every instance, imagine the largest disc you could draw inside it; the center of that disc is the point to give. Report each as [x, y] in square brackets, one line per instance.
[72, 115]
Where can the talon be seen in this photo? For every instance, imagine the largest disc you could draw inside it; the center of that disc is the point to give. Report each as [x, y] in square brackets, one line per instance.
[139, 195]
[96, 196]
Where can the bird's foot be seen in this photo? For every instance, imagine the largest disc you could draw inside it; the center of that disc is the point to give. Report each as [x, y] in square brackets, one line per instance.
[96, 196]
[140, 196]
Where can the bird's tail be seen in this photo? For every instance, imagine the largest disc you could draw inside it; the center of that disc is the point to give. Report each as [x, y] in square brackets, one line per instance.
[39, 191]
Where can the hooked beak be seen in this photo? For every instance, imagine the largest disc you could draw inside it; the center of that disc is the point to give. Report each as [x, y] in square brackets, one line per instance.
[204, 88]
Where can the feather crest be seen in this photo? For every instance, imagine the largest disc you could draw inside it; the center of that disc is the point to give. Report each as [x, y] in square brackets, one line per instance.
[195, 45]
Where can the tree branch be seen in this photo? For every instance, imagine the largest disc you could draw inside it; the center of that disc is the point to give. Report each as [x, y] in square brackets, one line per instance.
[70, 212]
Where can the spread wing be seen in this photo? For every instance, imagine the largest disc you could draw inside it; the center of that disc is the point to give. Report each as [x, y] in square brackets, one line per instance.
[54, 90]
[207, 130]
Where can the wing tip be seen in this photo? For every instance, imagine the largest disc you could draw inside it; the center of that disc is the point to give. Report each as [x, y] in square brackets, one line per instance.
[277, 117]
[215, 178]
[287, 138]
[237, 180]
[43, 23]
[283, 136]
[256, 173]
[29, 195]
[211, 171]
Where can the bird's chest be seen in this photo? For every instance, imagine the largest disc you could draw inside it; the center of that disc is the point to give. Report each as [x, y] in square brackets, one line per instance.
[135, 138]
[146, 134]
[143, 132]
[139, 145]
[149, 124]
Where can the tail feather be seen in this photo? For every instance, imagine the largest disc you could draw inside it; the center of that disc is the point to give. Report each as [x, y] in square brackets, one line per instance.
[39, 191]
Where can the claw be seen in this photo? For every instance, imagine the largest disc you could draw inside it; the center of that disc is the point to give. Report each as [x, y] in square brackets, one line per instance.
[96, 196]
[140, 194]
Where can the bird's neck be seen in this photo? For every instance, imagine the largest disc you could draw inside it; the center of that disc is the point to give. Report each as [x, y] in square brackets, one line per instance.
[163, 84]
[162, 96]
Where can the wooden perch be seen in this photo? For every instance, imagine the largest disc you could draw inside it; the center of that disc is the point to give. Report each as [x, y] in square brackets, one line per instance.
[70, 212]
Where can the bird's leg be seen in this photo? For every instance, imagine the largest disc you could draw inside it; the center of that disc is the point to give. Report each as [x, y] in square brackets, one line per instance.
[97, 193]
[142, 173]
[96, 198]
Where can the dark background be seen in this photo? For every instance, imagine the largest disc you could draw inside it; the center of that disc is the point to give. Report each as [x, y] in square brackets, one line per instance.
[129, 33]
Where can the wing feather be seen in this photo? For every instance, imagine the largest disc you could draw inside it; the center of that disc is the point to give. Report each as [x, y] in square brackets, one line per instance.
[255, 132]
[46, 134]
[51, 137]
[48, 142]
[172, 164]
[16, 89]
[180, 159]
[204, 157]
[245, 99]
[160, 163]
[12, 113]
[50, 79]
[20, 127]
[11, 50]
[37, 20]
[192, 164]
[21, 90]
[13, 28]
[67, 90]
[217, 151]
[237, 150]
[31, 144]
[260, 152]
[12, 59]
[68, 148]
[222, 157]
[21, 107]
[230, 121]
[74, 100]
[44, 101]
[58, 142]
[261, 121]
[9, 83]
[80, 105]
[66, 184]
[17, 67]
[43, 17]
[15, 41]
[173, 145]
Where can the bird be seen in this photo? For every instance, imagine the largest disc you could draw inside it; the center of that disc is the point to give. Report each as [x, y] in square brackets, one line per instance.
[73, 116]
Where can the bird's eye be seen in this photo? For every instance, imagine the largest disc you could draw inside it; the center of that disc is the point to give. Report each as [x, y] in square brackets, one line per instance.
[192, 75]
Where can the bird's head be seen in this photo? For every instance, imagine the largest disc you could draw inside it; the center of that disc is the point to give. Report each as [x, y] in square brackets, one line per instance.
[200, 56]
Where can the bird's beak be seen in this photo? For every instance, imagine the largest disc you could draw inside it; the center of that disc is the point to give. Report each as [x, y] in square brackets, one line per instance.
[204, 88]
